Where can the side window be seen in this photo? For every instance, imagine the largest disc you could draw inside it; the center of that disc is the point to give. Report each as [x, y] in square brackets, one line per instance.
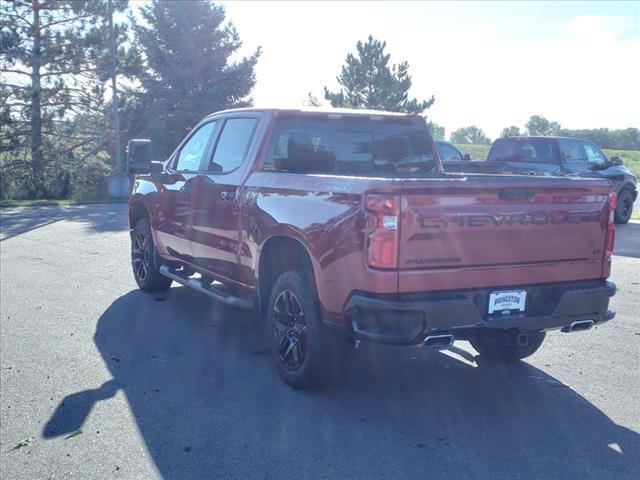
[191, 154]
[594, 155]
[447, 152]
[233, 144]
[572, 151]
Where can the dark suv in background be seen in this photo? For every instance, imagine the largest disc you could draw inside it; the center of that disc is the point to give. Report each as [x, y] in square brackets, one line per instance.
[555, 156]
[448, 152]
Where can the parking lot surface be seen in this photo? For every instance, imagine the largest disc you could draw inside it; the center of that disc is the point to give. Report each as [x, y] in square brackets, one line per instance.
[99, 380]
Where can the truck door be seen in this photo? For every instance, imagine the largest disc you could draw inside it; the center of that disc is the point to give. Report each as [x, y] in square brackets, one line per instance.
[173, 231]
[216, 243]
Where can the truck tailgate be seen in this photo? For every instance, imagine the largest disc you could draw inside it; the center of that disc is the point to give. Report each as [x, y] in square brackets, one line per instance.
[492, 230]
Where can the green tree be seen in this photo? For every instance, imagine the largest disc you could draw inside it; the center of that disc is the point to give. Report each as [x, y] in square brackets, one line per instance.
[368, 81]
[623, 139]
[311, 101]
[511, 131]
[538, 125]
[188, 73]
[470, 135]
[437, 131]
[40, 55]
[50, 75]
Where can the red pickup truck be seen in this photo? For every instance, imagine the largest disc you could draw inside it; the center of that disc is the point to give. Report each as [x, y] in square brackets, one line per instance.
[340, 226]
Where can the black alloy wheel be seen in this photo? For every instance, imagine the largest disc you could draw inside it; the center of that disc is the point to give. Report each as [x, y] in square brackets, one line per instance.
[140, 254]
[290, 330]
[625, 207]
[145, 261]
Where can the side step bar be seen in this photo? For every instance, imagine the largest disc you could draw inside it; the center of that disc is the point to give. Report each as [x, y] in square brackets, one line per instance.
[217, 294]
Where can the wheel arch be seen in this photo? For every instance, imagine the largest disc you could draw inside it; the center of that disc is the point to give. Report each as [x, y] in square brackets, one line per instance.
[279, 254]
[629, 185]
[137, 211]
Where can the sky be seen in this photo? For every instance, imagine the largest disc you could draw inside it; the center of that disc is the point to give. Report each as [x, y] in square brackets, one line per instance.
[490, 64]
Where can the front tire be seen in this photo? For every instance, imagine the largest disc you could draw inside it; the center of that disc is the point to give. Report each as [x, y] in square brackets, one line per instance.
[301, 349]
[145, 261]
[502, 347]
[625, 207]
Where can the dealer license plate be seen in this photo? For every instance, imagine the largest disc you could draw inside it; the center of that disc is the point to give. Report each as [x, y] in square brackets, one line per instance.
[507, 301]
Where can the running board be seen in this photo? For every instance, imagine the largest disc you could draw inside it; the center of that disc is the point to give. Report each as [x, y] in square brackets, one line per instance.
[210, 291]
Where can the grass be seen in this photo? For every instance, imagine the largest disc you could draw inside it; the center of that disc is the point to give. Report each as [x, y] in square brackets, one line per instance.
[44, 203]
[631, 158]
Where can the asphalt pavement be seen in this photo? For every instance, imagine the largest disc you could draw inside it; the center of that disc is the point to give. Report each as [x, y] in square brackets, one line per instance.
[99, 380]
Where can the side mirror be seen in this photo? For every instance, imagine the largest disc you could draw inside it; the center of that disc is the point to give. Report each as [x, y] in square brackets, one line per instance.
[156, 169]
[139, 155]
[466, 157]
[615, 161]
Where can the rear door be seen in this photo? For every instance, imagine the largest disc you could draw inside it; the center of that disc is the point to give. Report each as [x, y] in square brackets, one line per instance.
[460, 233]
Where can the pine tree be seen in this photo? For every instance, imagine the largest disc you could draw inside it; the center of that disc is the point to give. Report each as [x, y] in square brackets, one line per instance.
[368, 81]
[188, 73]
[51, 79]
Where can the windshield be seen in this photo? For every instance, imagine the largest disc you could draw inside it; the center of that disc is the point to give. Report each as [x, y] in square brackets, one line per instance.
[526, 150]
[348, 147]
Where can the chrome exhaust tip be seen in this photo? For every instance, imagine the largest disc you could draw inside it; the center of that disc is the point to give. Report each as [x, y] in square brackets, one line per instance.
[442, 340]
[579, 326]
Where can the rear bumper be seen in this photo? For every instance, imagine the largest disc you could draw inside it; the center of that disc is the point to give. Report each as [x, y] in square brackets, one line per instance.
[408, 319]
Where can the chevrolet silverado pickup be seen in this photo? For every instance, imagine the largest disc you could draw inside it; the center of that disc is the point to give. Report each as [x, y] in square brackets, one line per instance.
[557, 156]
[340, 226]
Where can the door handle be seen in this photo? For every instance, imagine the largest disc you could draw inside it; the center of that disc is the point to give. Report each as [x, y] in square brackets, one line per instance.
[228, 195]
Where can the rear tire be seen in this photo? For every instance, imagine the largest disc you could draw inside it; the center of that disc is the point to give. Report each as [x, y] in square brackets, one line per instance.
[503, 347]
[303, 351]
[625, 207]
[145, 260]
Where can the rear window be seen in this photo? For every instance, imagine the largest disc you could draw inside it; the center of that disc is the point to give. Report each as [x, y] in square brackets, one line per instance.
[526, 150]
[347, 147]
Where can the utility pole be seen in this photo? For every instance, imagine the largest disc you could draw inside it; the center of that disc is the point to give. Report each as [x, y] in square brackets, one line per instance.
[120, 181]
[37, 152]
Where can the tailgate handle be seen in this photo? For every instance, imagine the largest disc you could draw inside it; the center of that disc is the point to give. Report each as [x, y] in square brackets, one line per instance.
[516, 193]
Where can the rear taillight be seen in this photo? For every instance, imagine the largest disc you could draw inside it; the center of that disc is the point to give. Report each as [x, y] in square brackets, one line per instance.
[611, 228]
[382, 251]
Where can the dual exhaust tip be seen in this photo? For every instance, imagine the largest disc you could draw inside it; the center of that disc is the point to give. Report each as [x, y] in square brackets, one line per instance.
[441, 340]
[444, 340]
[579, 326]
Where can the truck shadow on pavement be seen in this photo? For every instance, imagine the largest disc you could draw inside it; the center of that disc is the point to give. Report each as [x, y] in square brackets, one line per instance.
[209, 404]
